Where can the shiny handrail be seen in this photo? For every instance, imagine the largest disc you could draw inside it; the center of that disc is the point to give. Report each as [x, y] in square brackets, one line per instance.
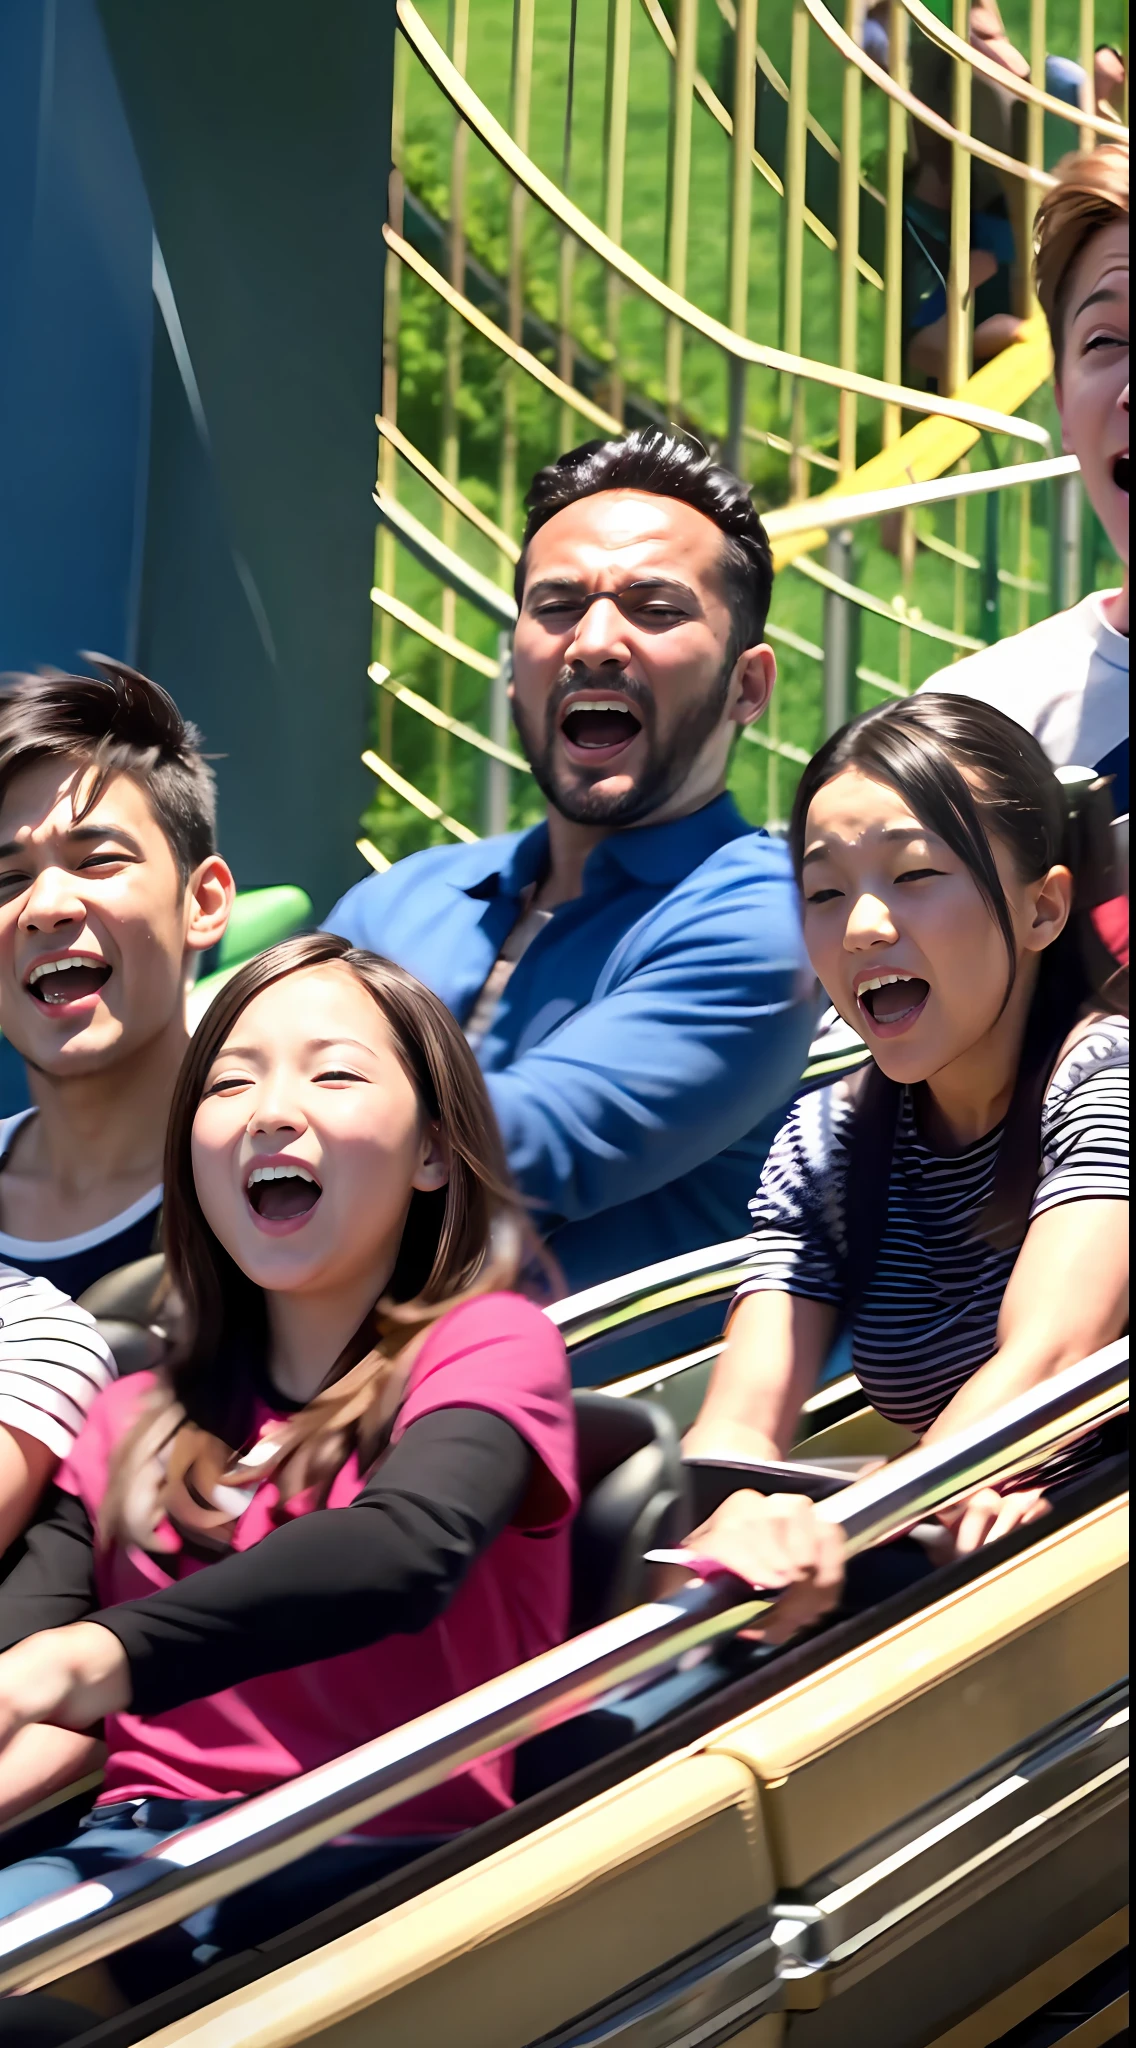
[464, 506]
[652, 1293]
[500, 144]
[832, 510]
[489, 330]
[446, 643]
[443, 562]
[383, 680]
[1011, 1442]
[784, 523]
[217, 1857]
[1009, 81]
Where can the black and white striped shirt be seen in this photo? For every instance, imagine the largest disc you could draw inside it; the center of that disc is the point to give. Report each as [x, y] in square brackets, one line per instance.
[52, 1361]
[929, 1318]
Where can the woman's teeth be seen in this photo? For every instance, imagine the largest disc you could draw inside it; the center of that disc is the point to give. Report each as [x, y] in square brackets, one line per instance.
[280, 1192]
[890, 997]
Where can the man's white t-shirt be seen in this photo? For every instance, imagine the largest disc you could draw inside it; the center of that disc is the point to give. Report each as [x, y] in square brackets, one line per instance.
[1066, 680]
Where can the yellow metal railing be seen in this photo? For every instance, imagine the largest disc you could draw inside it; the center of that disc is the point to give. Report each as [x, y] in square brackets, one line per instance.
[546, 283]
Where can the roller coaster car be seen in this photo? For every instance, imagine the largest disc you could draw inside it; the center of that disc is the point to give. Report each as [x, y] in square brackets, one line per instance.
[906, 1829]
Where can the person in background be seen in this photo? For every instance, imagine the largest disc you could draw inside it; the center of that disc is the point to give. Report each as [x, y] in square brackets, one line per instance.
[1065, 79]
[997, 117]
[360, 1461]
[949, 1201]
[1066, 679]
[1110, 81]
[630, 971]
[110, 890]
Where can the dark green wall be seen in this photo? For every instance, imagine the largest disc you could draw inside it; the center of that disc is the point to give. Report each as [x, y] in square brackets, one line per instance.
[263, 131]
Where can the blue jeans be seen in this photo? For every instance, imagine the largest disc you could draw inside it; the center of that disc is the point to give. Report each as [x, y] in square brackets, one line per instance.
[112, 1836]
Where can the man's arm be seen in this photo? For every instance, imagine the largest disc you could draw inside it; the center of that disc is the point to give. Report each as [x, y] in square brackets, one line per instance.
[700, 1035]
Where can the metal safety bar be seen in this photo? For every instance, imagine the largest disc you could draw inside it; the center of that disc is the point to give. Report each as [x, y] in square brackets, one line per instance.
[652, 1294]
[217, 1857]
[841, 510]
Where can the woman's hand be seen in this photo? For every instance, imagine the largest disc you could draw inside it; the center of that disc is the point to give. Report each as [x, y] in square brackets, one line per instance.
[773, 1541]
[988, 1515]
[67, 1677]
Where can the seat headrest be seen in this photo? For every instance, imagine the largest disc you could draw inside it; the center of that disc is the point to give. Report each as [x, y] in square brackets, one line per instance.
[130, 1294]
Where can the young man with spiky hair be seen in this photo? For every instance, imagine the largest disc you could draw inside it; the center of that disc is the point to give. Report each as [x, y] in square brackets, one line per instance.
[1067, 678]
[110, 890]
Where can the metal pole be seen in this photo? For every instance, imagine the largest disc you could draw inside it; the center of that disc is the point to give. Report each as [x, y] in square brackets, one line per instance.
[991, 588]
[848, 244]
[958, 277]
[615, 165]
[1087, 138]
[1035, 153]
[741, 196]
[678, 187]
[1066, 575]
[839, 631]
[496, 772]
[893, 229]
[567, 347]
[796, 142]
[520, 105]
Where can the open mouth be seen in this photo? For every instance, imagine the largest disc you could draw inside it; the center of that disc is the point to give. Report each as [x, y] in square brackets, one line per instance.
[282, 1194]
[893, 1001]
[56, 982]
[600, 726]
[1120, 473]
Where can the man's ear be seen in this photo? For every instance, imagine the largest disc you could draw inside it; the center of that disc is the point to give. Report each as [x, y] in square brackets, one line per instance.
[751, 684]
[211, 892]
[1052, 903]
[434, 1168]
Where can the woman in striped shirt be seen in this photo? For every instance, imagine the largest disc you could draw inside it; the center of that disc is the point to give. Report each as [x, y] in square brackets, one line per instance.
[961, 1206]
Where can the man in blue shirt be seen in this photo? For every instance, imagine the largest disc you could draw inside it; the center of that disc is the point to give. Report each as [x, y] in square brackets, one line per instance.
[630, 972]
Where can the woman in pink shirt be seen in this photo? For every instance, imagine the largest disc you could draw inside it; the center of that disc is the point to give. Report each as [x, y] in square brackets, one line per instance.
[345, 1500]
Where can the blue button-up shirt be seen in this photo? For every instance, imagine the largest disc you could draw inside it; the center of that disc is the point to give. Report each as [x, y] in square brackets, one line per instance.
[647, 1040]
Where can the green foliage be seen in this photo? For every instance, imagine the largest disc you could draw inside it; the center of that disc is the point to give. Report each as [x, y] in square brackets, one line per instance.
[451, 772]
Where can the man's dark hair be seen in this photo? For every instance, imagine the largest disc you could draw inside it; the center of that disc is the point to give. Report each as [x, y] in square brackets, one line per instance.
[652, 460]
[121, 724]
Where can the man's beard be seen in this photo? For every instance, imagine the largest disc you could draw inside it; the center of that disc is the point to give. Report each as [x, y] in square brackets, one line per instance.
[571, 787]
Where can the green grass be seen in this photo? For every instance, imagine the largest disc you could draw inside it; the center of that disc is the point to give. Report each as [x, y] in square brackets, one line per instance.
[450, 771]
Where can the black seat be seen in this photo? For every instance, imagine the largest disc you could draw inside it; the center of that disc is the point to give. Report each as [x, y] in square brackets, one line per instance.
[632, 1493]
[632, 1490]
[127, 1306]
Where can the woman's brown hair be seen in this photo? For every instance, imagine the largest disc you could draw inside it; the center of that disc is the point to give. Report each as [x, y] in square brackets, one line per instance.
[465, 1239]
[1090, 193]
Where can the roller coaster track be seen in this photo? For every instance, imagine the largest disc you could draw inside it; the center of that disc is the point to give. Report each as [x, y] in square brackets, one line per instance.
[783, 405]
